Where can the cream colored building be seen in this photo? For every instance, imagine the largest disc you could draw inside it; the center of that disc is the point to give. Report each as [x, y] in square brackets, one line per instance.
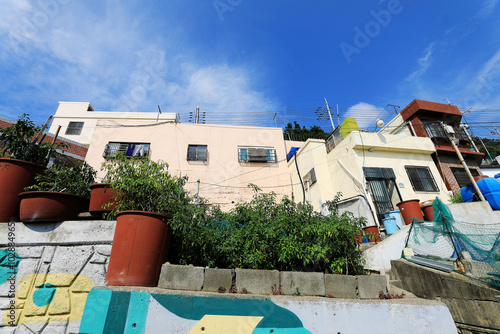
[78, 120]
[224, 158]
[372, 171]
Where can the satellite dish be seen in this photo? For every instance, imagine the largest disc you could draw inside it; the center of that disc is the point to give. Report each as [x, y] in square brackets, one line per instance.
[379, 123]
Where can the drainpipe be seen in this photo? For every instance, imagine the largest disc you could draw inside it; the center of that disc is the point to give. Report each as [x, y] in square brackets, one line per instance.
[462, 161]
[364, 190]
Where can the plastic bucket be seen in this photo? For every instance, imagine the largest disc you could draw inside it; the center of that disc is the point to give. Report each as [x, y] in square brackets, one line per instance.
[410, 209]
[390, 225]
[397, 215]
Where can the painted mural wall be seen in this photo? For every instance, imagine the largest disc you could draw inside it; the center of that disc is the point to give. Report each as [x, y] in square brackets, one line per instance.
[52, 280]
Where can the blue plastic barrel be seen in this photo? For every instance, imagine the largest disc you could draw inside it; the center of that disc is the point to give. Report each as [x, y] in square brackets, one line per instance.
[390, 225]
[497, 176]
[467, 194]
[396, 214]
[490, 188]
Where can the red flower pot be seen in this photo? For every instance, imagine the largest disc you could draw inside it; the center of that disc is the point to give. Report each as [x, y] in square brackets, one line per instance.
[372, 233]
[410, 209]
[101, 194]
[50, 206]
[140, 247]
[15, 175]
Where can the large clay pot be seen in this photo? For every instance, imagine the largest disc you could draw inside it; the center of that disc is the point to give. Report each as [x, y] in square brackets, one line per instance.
[372, 233]
[140, 247]
[15, 175]
[410, 209]
[50, 206]
[100, 194]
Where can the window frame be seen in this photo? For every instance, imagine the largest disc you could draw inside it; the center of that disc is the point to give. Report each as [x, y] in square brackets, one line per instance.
[197, 153]
[74, 128]
[243, 155]
[462, 175]
[123, 147]
[418, 185]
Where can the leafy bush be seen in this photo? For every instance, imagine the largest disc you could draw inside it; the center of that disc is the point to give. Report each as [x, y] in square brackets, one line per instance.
[62, 178]
[19, 142]
[266, 234]
[145, 185]
[456, 198]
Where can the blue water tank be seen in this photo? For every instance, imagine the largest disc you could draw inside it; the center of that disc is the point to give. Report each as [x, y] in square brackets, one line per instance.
[467, 194]
[490, 188]
[290, 154]
[497, 176]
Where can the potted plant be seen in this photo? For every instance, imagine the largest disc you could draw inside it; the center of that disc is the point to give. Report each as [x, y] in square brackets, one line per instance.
[21, 158]
[61, 193]
[147, 196]
[101, 195]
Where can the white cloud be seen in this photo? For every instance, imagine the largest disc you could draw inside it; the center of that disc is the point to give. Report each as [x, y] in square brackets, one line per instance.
[423, 64]
[364, 113]
[108, 56]
[488, 6]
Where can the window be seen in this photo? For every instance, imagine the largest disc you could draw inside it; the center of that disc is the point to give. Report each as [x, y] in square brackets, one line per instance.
[256, 154]
[137, 150]
[382, 184]
[461, 175]
[74, 128]
[421, 178]
[197, 153]
[434, 130]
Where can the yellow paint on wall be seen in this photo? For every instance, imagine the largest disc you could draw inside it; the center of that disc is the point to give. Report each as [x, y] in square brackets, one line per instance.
[68, 302]
[215, 324]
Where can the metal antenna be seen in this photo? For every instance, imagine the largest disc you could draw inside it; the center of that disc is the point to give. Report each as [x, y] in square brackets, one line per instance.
[394, 106]
[321, 112]
[448, 101]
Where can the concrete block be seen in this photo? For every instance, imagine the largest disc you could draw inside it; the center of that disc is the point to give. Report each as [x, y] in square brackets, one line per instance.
[257, 281]
[177, 277]
[369, 286]
[308, 284]
[215, 278]
[341, 286]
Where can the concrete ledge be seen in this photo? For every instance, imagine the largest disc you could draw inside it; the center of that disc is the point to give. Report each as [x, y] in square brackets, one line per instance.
[340, 286]
[257, 281]
[369, 286]
[216, 278]
[176, 277]
[300, 283]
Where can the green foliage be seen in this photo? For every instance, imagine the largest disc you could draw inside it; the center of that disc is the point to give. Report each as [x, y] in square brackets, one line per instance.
[456, 198]
[62, 178]
[267, 234]
[18, 142]
[493, 146]
[145, 185]
[297, 132]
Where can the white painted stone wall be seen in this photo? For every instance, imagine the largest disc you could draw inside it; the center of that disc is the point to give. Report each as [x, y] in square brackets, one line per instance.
[71, 256]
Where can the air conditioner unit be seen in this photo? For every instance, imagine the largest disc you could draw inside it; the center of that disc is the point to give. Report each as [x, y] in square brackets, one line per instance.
[449, 129]
[257, 155]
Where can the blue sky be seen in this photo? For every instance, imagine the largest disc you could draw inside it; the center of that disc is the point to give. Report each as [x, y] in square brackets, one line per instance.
[242, 61]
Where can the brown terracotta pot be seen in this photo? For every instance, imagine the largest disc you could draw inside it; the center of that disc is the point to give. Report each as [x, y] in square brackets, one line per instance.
[428, 211]
[50, 206]
[100, 194]
[410, 209]
[140, 247]
[372, 233]
[15, 175]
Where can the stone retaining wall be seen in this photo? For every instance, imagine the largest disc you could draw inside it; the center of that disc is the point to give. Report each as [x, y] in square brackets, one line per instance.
[271, 282]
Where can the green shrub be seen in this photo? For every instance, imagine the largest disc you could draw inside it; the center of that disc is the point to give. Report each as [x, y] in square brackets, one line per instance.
[62, 178]
[456, 198]
[19, 142]
[266, 234]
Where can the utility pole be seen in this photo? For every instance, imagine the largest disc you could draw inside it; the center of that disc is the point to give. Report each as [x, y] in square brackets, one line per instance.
[462, 161]
[338, 115]
[394, 106]
[197, 117]
[321, 112]
[159, 112]
[494, 127]
[465, 127]
[274, 119]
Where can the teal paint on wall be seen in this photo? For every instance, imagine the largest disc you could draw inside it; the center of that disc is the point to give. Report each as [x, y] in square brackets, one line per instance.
[44, 295]
[117, 312]
[95, 312]
[9, 262]
[137, 313]
[110, 312]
